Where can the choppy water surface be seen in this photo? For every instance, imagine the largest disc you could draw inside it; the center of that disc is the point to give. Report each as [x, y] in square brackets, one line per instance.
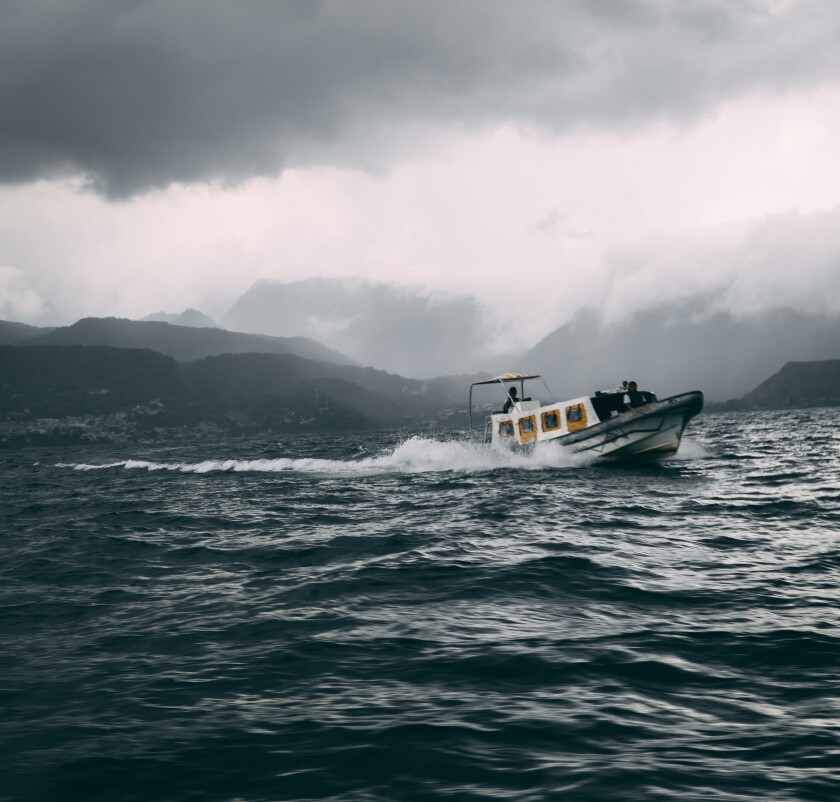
[380, 617]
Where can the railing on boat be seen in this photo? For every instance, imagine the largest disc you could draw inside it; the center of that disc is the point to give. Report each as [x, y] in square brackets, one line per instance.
[488, 430]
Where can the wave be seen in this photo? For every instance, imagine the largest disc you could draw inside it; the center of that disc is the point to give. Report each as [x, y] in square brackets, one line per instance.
[415, 455]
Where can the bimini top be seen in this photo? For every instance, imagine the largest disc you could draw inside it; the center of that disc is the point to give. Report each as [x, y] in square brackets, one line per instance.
[508, 377]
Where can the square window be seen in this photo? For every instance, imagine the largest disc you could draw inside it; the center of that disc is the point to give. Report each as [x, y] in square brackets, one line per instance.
[551, 420]
[528, 429]
[506, 429]
[576, 417]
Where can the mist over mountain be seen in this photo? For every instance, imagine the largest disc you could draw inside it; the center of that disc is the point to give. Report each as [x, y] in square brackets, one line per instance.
[183, 343]
[266, 382]
[393, 328]
[683, 346]
[668, 348]
[108, 379]
[189, 317]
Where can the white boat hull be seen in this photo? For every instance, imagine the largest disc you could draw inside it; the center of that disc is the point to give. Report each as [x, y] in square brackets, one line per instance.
[655, 437]
[653, 431]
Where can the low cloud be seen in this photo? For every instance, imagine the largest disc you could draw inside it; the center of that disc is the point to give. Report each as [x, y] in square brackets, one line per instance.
[786, 261]
[394, 328]
[18, 301]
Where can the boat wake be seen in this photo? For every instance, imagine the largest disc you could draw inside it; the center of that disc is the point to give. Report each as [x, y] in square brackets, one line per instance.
[415, 455]
[691, 450]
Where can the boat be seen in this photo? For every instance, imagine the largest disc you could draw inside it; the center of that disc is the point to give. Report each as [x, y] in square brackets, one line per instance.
[621, 422]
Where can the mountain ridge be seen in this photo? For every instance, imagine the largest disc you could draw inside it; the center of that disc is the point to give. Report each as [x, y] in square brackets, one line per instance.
[189, 317]
[12, 332]
[797, 385]
[92, 393]
[183, 343]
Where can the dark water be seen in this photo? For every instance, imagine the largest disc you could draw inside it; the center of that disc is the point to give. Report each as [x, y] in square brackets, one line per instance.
[382, 618]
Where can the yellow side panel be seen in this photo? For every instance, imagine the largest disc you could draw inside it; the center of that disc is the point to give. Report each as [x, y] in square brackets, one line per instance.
[527, 429]
[576, 417]
[551, 420]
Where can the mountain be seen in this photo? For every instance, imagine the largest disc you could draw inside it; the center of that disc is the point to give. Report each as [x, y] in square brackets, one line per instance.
[796, 385]
[189, 317]
[230, 379]
[17, 332]
[183, 343]
[72, 393]
[269, 389]
[397, 329]
[57, 381]
[674, 348]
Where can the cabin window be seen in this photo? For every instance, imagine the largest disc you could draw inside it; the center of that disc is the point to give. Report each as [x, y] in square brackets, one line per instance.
[551, 420]
[576, 417]
[528, 428]
[506, 429]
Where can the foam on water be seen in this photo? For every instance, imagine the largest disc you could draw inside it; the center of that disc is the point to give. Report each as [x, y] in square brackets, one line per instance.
[415, 455]
[690, 450]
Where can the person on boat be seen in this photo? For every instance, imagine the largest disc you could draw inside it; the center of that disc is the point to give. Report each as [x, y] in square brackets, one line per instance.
[511, 401]
[634, 398]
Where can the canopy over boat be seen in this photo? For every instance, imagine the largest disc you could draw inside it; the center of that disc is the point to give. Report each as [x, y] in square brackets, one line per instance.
[504, 379]
[508, 377]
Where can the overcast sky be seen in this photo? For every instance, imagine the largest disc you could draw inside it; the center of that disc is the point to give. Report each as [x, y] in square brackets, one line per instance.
[540, 156]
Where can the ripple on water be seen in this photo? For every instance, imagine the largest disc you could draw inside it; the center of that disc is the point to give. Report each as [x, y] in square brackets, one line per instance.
[374, 617]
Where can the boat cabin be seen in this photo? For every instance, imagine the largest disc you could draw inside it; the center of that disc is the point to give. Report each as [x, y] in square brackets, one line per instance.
[524, 420]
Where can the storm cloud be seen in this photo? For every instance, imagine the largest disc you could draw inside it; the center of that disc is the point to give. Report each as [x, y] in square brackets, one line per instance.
[137, 95]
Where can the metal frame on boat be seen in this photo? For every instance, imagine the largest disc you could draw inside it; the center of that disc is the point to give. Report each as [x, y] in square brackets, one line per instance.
[611, 423]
